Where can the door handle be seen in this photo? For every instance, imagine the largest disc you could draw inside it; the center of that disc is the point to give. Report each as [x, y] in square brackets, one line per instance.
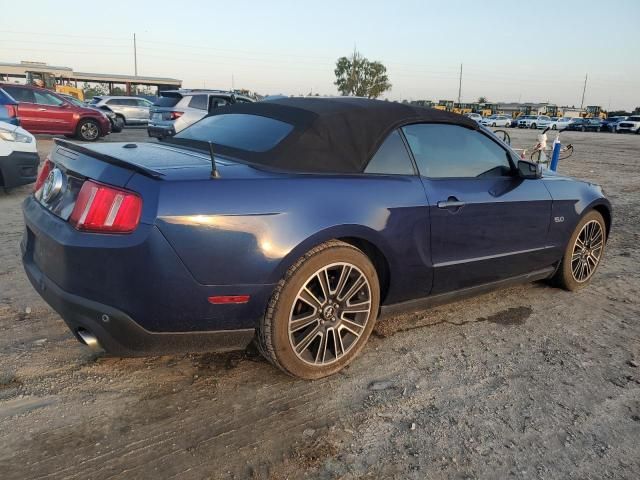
[451, 202]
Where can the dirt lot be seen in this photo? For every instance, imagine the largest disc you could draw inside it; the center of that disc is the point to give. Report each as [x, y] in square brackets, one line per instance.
[530, 382]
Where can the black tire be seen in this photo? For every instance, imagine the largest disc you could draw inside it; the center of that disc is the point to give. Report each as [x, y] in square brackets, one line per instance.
[583, 129]
[493, 124]
[88, 130]
[533, 126]
[598, 129]
[120, 123]
[553, 127]
[274, 339]
[564, 276]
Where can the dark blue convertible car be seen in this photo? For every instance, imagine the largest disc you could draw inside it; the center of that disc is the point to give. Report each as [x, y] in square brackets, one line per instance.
[297, 223]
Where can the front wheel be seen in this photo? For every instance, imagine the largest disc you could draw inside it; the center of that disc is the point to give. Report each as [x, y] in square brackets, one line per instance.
[583, 129]
[322, 313]
[119, 124]
[583, 253]
[553, 127]
[88, 130]
[533, 126]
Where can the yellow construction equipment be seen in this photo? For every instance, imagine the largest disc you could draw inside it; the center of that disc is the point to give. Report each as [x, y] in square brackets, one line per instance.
[49, 81]
[594, 111]
[446, 105]
[461, 108]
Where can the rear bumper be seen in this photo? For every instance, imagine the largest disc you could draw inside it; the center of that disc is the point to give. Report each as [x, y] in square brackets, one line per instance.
[19, 168]
[158, 131]
[118, 334]
[153, 304]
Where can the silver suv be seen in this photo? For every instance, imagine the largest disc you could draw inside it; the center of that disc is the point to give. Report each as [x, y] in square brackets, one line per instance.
[128, 110]
[175, 110]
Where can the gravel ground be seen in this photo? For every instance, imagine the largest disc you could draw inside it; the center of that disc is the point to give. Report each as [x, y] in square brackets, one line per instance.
[529, 382]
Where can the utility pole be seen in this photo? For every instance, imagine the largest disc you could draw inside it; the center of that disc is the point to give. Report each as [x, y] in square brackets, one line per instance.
[135, 65]
[460, 85]
[584, 89]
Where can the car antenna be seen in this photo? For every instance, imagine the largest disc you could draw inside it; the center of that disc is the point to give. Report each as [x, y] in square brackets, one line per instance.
[214, 169]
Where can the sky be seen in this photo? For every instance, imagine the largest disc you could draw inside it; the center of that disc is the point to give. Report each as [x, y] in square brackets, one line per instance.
[509, 50]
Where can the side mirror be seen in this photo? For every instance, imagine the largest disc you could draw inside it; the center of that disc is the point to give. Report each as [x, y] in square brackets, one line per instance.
[529, 170]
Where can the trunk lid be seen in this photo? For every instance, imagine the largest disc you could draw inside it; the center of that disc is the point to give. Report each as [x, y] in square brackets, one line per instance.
[116, 164]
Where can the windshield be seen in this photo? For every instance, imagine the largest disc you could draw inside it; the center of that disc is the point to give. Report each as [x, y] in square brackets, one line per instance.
[252, 133]
[634, 119]
[75, 101]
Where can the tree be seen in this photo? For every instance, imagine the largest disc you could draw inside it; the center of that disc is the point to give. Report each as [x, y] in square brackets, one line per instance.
[92, 91]
[482, 100]
[358, 76]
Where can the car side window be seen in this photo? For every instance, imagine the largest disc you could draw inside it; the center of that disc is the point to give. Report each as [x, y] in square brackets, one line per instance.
[215, 102]
[452, 151]
[114, 101]
[141, 102]
[391, 158]
[21, 94]
[199, 102]
[44, 98]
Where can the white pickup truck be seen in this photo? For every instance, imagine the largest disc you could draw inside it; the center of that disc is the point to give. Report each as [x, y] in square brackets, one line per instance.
[534, 121]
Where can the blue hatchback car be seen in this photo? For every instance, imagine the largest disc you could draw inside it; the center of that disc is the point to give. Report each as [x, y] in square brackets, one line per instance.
[296, 222]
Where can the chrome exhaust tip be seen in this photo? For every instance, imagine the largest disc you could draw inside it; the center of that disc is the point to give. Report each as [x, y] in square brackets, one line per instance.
[89, 339]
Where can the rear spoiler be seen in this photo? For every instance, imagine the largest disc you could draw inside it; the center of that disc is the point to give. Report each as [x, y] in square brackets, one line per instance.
[107, 158]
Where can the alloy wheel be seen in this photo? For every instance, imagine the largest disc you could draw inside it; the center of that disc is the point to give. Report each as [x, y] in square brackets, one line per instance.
[89, 131]
[587, 251]
[329, 314]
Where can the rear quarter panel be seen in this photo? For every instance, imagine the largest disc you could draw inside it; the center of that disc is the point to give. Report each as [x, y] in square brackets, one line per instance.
[249, 231]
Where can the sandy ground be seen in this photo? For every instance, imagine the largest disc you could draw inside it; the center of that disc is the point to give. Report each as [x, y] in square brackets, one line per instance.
[530, 382]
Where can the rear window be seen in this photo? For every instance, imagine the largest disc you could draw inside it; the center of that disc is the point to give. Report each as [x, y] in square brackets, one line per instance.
[167, 101]
[21, 94]
[252, 133]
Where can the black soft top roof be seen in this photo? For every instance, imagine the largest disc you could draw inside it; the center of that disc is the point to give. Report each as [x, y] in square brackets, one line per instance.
[338, 135]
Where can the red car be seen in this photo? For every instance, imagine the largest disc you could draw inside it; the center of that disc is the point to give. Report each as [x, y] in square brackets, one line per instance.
[43, 111]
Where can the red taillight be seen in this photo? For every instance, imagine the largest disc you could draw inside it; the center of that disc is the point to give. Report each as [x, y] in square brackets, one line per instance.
[46, 168]
[106, 209]
[12, 110]
[175, 115]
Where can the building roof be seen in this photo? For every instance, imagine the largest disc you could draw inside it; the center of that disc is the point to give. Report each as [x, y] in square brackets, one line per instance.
[68, 73]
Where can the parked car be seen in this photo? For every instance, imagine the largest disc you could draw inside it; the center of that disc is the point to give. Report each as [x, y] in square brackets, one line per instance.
[19, 158]
[559, 123]
[585, 124]
[474, 116]
[611, 124]
[274, 221]
[175, 110]
[116, 122]
[8, 109]
[630, 125]
[131, 110]
[534, 121]
[496, 121]
[43, 111]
